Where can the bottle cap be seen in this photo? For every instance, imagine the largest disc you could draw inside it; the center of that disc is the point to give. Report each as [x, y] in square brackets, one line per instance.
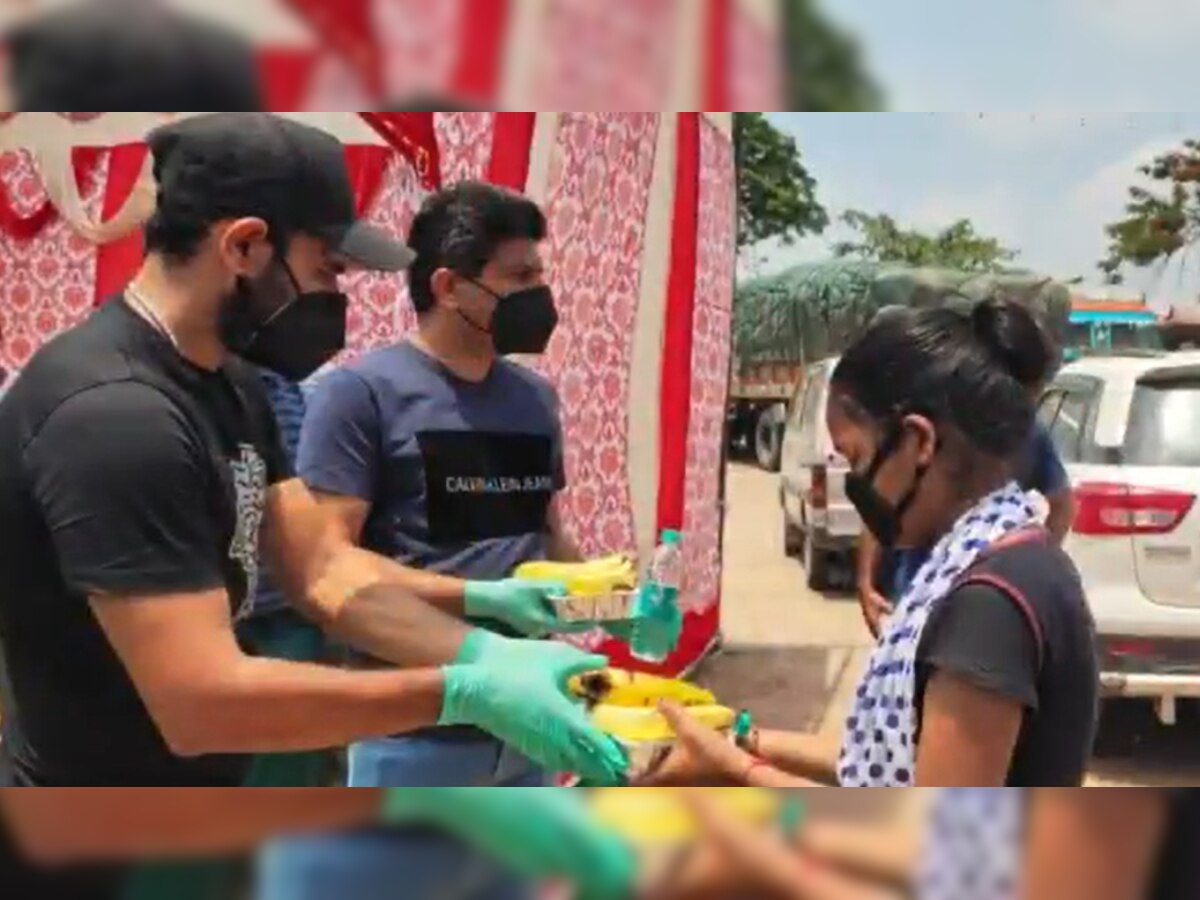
[670, 536]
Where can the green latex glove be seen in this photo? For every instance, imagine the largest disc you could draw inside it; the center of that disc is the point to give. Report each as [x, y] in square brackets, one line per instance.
[522, 603]
[517, 690]
[540, 833]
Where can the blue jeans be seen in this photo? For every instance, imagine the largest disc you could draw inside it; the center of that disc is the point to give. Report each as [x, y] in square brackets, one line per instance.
[381, 865]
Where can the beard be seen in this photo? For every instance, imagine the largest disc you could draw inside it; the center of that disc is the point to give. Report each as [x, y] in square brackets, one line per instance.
[252, 303]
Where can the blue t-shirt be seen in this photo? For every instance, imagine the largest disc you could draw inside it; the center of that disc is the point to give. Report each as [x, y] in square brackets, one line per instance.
[287, 402]
[459, 475]
[1040, 470]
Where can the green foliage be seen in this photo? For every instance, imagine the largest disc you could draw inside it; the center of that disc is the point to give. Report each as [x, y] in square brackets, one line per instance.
[824, 69]
[777, 197]
[958, 246]
[1159, 221]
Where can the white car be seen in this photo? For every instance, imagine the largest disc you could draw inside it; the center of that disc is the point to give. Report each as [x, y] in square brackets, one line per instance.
[1128, 431]
[819, 522]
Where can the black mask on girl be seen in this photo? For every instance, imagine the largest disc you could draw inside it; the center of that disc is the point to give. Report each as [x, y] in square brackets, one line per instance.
[524, 321]
[880, 517]
[297, 339]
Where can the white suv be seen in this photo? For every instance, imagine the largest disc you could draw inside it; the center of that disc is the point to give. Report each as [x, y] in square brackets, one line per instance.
[1128, 431]
[819, 522]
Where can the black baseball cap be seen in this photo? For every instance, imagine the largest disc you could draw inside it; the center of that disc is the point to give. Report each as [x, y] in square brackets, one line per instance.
[126, 54]
[293, 176]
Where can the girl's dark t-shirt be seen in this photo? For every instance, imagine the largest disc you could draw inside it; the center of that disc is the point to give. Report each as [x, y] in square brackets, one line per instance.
[1019, 625]
[1178, 876]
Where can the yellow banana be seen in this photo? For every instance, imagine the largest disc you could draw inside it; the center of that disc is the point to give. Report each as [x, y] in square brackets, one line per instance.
[648, 816]
[643, 725]
[592, 578]
[617, 687]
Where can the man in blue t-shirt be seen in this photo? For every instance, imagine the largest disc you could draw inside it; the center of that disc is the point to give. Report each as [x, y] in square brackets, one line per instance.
[442, 454]
[273, 627]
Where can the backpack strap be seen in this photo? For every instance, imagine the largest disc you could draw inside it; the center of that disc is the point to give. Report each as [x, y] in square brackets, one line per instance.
[973, 576]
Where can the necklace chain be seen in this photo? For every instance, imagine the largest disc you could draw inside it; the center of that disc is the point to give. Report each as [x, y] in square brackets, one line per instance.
[139, 302]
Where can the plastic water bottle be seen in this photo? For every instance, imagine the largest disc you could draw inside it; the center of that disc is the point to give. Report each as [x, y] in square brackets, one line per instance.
[666, 569]
[658, 619]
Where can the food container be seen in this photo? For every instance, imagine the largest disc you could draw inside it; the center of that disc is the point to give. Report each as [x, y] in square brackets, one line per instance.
[613, 606]
[597, 592]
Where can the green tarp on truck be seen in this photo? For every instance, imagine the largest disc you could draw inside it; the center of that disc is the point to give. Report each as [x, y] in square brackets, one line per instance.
[813, 311]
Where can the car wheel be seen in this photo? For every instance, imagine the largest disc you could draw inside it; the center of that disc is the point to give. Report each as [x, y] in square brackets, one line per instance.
[768, 439]
[1123, 724]
[816, 565]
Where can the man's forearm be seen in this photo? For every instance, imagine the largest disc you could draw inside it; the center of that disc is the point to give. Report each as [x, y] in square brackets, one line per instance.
[391, 625]
[563, 549]
[69, 825]
[442, 592]
[1062, 515]
[867, 563]
[276, 706]
[561, 546]
[373, 605]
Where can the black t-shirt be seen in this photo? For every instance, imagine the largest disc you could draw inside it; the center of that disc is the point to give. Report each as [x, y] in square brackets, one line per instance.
[124, 470]
[21, 880]
[217, 878]
[1178, 875]
[1024, 631]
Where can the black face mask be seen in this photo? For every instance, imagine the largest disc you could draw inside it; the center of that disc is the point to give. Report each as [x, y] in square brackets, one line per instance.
[294, 341]
[879, 516]
[524, 321]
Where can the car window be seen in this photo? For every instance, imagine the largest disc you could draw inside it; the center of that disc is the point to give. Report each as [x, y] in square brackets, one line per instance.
[1067, 428]
[1048, 407]
[1164, 425]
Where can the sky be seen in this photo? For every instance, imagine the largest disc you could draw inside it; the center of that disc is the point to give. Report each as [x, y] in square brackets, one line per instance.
[1014, 115]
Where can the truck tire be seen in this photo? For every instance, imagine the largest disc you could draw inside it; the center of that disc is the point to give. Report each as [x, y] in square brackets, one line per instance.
[816, 565]
[793, 539]
[768, 438]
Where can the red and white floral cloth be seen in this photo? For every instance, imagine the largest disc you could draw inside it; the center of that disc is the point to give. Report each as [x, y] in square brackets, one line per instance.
[599, 190]
[46, 285]
[711, 337]
[598, 175]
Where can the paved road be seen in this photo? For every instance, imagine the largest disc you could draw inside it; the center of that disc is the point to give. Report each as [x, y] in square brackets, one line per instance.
[794, 656]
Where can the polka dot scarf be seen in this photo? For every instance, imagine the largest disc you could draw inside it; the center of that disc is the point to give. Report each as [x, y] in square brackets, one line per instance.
[879, 743]
[972, 845]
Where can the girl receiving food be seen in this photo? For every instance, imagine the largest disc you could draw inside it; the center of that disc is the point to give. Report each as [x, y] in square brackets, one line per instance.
[985, 675]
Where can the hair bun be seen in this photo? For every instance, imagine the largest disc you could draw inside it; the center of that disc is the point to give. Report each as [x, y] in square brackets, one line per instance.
[1013, 338]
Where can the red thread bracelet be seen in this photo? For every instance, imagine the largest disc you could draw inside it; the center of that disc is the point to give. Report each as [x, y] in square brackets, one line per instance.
[756, 762]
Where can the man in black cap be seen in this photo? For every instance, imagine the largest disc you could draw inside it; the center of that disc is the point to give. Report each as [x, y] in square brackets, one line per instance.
[139, 463]
[130, 54]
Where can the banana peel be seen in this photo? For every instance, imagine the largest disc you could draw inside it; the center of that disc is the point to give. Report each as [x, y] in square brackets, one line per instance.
[617, 687]
[660, 816]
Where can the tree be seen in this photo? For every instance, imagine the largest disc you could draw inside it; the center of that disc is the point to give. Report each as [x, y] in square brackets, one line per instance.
[823, 65]
[958, 246]
[1160, 220]
[777, 197]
